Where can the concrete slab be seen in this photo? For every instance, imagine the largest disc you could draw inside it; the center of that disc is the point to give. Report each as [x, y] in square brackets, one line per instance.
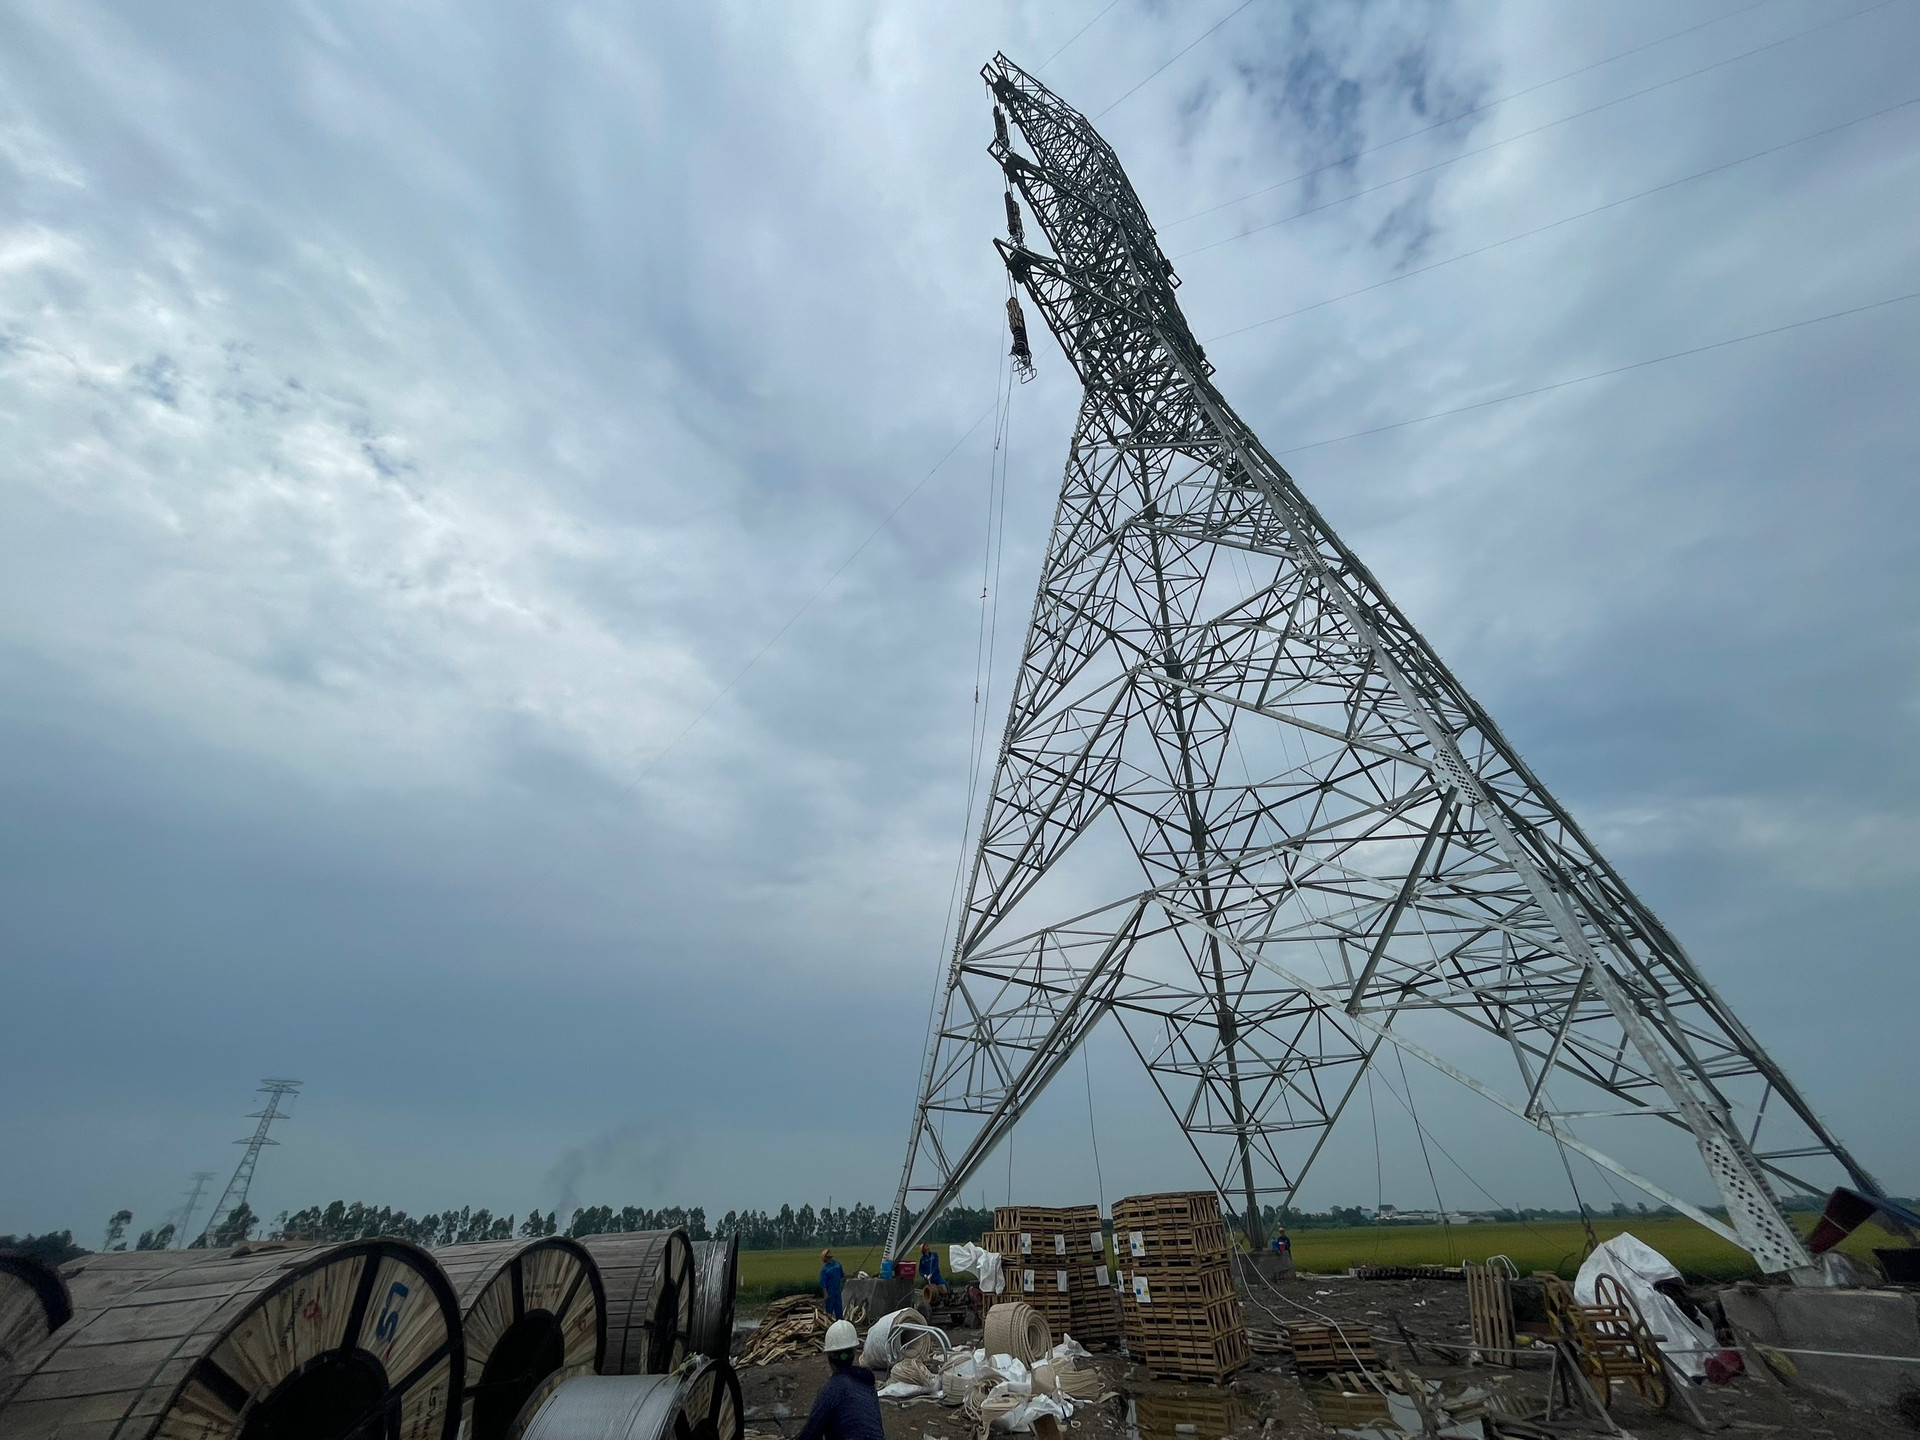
[1842, 1323]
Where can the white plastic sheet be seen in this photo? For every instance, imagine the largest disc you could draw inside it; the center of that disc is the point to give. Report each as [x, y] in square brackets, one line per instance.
[1637, 1266]
[982, 1263]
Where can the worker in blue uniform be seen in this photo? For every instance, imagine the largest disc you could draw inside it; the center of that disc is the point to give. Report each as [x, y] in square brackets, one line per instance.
[933, 1284]
[848, 1406]
[832, 1277]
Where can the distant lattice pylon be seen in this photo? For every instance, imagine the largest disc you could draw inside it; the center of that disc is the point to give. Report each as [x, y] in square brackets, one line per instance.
[1242, 807]
[235, 1195]
[184, 1215]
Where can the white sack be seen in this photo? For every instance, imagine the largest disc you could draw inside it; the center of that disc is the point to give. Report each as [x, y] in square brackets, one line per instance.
[1069, 1353]
[982, 1263]
[1637, 1265]
[1021, 1417]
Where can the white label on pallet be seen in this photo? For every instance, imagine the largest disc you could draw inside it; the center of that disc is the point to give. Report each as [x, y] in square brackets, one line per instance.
[1060, 1281]
[1059, 1244]
[1026, 1243]
[1137, 1241]
[1140, 1290]
[1097, 1242]
[1100, 1276]
[1026, 1281]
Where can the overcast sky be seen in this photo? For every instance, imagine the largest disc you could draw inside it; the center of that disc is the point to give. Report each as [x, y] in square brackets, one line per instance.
[416, 416]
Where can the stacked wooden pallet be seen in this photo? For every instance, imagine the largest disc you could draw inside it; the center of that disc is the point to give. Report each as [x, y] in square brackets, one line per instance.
[1178, 1310]
[1056, 1260]
[1325, 1348]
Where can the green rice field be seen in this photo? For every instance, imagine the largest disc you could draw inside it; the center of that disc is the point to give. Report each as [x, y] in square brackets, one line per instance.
[1537, 1245]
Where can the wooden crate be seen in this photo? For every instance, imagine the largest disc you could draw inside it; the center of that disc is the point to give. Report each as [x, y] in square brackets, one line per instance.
[1173, 1245]
[1202, 1285]
[1094, 1316]
[1158, 1317]
[1046, 1217]
[1191, 1357]
[1180, 1207]
[1319, 1347]
[1063, 1245]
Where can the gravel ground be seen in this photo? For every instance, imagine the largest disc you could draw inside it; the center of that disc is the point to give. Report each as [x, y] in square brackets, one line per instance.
[1267, 1401]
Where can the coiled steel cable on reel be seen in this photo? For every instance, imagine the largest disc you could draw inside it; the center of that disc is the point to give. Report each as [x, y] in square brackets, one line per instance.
[529, 1309]
[33, 1304]
[716, 1265]
[324, 1341]
[699, 1401]
[648, 1279]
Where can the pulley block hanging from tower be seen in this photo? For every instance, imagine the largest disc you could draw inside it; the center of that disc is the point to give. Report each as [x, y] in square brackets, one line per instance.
[1022, 352]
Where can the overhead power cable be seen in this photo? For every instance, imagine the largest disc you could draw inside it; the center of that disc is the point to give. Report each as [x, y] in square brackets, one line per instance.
[806, 605]
[1178, 53]
[1602, 374]
[1535, 130]
[1568, 219]
[1479, 109]
[1083, 30]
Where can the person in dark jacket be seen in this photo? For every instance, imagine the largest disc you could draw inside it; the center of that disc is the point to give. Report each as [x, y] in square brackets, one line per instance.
[848, 1405]
[832, 1277]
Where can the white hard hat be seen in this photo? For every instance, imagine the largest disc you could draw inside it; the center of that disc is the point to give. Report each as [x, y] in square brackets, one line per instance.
[841, 1336]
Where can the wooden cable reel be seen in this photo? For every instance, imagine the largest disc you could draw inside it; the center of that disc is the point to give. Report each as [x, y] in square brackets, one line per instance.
[33, 1304]
[1609, 1340]
[263, 1342]
[647, 1277]
[716, 1283]
[529, 1310]
[700, 1401]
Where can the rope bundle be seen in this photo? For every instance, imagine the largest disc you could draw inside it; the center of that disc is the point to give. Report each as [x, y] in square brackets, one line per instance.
[1017, 1329]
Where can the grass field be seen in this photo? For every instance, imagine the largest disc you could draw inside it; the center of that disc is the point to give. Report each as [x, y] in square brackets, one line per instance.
[1539, 1245]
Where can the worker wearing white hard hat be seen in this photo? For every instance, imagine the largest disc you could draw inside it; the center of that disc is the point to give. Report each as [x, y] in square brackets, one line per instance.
[848, 1405]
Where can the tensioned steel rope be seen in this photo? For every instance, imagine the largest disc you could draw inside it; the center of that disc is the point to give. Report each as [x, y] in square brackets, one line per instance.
[1603, 374]
[1479, 109]
[1569, 219]
[1302, 213]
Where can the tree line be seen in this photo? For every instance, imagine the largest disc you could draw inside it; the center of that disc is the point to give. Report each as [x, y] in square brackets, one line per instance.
[784, 1229]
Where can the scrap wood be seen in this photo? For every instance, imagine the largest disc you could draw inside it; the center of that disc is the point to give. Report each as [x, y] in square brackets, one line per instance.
[794, 1327]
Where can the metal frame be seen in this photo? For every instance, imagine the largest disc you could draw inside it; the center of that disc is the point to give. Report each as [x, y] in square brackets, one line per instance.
[1334, 837]
[235, 1195]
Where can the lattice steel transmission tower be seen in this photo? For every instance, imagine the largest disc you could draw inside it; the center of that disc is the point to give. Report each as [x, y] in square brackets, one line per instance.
[1241, 806]
[235, 1195]
[183, 1217]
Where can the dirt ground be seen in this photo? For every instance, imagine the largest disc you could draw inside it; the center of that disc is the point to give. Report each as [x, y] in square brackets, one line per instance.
[1268, 1401]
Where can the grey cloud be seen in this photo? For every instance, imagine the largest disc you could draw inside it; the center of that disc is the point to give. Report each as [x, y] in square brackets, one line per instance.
[412, 425]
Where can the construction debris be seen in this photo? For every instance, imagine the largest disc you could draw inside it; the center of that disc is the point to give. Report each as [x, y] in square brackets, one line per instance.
[794, 1326]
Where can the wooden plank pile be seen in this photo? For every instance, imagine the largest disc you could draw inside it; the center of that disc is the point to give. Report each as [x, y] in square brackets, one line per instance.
[794, 1328]
[1055, 1259]
[1178, 1310]
[1319, 1349]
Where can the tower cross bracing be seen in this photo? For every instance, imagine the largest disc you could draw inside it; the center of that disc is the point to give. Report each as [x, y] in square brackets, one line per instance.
[1331, 846]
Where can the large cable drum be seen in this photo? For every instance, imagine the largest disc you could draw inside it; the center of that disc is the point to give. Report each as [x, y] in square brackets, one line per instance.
[648, 1279]
[33, 1304]
[701, 1402]
[319, 1342]
[529, 1310]
[716, 1280]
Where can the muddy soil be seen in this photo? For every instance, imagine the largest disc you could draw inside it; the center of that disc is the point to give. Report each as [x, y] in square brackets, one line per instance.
[1409, 1319]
